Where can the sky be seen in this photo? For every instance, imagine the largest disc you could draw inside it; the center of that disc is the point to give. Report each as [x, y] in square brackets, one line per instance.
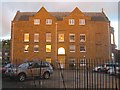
[8, 11]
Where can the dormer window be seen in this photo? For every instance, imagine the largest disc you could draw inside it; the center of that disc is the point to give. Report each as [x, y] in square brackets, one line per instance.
[81, 21]
[48, 21]
[71, 22]
[36, 21]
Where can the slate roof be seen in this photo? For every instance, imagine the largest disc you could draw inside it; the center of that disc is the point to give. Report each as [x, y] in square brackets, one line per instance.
[95, 16]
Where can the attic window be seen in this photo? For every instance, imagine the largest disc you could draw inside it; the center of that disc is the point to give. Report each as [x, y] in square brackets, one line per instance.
[48, 21]
[36, 21]
[71, 21]
[81, 21]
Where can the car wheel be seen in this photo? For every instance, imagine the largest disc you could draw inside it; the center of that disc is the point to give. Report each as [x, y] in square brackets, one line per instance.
[46, 75]
[21, 77]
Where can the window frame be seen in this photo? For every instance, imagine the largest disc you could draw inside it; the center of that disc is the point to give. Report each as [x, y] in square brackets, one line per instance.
[59, 37]
[82, 40]
[84, 48]
[72, 21]
[70, 40]
[48, 21]
[26, 35]
[37, 37]
[50, 48]
[37, 48]
[36, 21]
[71, 50]
[48, 36]
[82, 22]
[27, 48]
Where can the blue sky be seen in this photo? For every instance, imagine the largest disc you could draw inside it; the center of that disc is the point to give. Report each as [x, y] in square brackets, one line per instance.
[9, 9]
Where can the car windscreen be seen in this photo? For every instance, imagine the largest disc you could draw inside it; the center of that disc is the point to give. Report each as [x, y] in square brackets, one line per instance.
[24, 65]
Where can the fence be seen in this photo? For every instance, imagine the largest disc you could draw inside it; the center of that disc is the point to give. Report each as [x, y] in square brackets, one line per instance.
[77, 75]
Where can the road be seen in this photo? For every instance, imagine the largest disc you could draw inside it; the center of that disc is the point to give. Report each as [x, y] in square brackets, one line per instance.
[66, 79]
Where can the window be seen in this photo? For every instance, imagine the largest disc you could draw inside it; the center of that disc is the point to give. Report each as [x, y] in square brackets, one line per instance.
[48, 60]
[61, 37]
[26, 37]
[36, 37]
[81, 21]
[82, 38]
[26, 48]
[72, 37]
[82, 48]
[36, 48]
[48, 21]
[82, 62]
[72, 63]
[112, 38]
[48, 48]
[72, 48]
[71, 21]
[48, 37]
[36, 21]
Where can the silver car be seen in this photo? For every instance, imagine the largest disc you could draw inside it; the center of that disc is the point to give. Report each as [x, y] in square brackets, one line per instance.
[31, 69]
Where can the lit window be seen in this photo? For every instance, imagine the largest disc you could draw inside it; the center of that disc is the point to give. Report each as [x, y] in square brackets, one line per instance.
[26, 37]
[82, 62]
[48, 21]
[72, 48]
[36, 48]
[48, 48]
[36, 21]
[26, 48]
[48, 37]
[71, 21]
[61, 50]
[61, 37]
[48, 60]
[36, 37]
[81, 21]
[72, 37]
[112, 39]
[82, 38]
[82, 48]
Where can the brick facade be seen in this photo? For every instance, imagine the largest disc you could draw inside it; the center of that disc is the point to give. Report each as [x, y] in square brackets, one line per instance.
[95, 30]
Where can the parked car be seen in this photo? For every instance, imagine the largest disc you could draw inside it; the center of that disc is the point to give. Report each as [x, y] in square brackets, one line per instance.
[113, 71]
[99, 68]
[5, 67]
[31, 69]
[110, 65]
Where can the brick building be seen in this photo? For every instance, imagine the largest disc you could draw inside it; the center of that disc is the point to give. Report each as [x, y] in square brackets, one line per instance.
[67, 37]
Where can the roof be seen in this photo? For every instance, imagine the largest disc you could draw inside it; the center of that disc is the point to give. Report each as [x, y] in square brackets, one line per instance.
[95, 16]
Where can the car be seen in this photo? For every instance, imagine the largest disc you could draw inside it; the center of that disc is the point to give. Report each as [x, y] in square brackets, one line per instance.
[110, 65]
[31, 69]
[113, 71]
[5, 67]
[99, 68]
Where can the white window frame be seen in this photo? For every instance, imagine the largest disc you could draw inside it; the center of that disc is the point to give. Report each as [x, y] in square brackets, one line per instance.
[70, 38]
[36, 21]
[71, 21]
[48, 34]
[81, 21]
[60, 37]
[36, 34]
[28, 48]
[36, 47]
[84, 48]
[84, 62]
[25, 35]
[48, 21]
[50, 48]
[72, 50]
[82, 40]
